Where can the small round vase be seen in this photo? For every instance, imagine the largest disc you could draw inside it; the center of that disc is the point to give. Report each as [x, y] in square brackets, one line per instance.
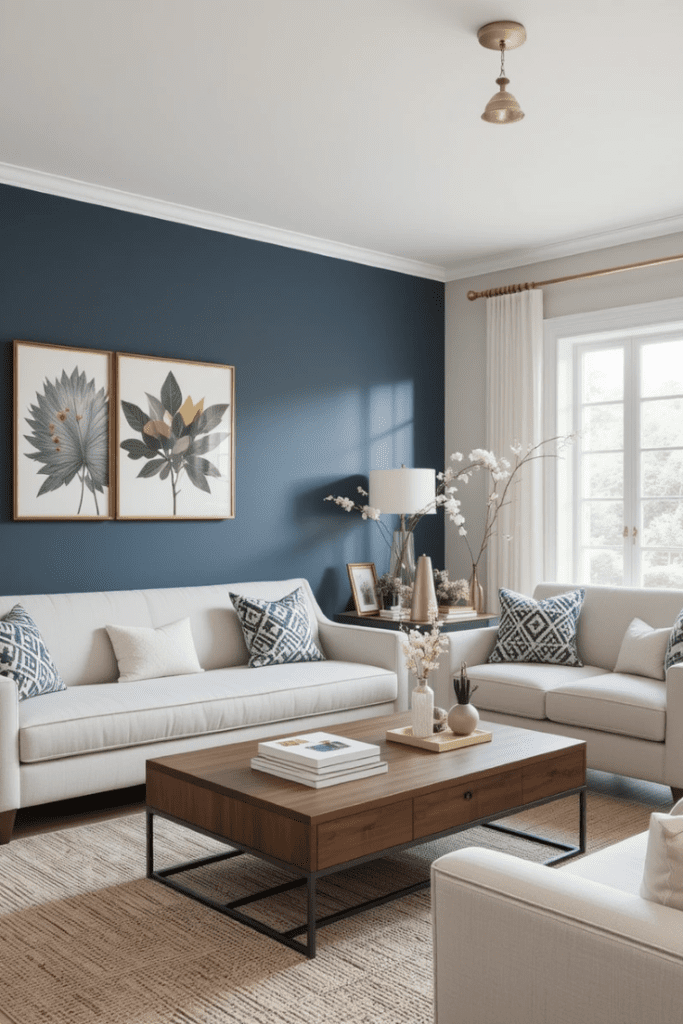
[463, 719]
[422, 709]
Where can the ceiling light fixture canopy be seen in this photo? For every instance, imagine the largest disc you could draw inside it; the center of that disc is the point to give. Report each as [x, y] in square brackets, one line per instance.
[502, 108]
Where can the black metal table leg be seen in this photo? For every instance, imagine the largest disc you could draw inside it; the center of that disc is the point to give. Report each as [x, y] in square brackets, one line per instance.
[150, 844]
[310, 921]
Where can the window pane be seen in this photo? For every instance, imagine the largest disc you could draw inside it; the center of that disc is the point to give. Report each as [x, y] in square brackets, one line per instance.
[602, 375]
[602, 427]
[604, 566]
[602, 522]
[602, 476]
[661, 423]
[661, 369]
[662, 524]
[661, 474]
[662, 569]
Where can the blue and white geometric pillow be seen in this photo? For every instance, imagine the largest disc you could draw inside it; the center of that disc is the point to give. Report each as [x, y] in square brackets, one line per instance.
[540, 631]
[276, 632]
[674, 648]
[24, 656]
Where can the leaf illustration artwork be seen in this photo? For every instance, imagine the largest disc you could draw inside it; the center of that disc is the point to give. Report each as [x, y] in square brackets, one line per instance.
[70, 425]
[174, 437]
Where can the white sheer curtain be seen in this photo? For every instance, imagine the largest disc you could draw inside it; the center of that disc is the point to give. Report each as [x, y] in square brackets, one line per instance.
[514, 378]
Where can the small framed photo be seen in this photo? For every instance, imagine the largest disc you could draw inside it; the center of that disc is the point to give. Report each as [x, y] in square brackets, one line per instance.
[62, 432]
[363, 577]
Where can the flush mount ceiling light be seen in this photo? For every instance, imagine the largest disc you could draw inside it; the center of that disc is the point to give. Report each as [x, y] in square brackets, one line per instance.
[502, 108]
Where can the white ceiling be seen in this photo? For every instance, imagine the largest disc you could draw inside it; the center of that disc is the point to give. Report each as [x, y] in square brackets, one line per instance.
[353, 126]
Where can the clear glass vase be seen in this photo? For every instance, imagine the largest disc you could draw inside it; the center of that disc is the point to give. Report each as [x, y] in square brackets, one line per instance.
[422, 708]
[402, 559]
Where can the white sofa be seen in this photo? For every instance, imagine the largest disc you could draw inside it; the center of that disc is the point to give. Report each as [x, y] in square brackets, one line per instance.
[632, 725]
[97, 734]
[522, 943]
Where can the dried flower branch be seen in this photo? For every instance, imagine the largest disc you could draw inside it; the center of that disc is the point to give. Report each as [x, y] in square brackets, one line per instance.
[422, 650]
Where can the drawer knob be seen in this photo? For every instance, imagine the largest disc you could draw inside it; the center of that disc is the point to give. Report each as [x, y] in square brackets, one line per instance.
[468, 795]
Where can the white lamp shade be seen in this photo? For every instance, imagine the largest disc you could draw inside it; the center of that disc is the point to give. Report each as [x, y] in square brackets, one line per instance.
[402, 491]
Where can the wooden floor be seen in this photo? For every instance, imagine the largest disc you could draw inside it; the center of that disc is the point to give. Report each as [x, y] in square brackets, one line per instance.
[70, 813]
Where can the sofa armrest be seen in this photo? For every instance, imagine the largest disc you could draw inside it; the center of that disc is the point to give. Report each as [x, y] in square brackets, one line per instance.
[470, 645]
[519, 942]
[10, 795]
[673, 750]
[379, 647]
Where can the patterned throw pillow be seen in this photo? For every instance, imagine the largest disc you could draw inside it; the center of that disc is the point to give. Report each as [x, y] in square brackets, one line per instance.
[24, 656]
[674, 649]
[276, 632]
[540, 631]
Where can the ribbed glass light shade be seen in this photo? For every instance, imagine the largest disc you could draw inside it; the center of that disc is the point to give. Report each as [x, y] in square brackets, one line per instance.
[502, 108]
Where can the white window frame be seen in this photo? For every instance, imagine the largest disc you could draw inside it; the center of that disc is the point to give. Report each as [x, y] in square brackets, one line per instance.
[561, 336]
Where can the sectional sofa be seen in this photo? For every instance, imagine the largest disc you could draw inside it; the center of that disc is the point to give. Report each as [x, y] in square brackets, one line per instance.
[97, 734]
[632, 724]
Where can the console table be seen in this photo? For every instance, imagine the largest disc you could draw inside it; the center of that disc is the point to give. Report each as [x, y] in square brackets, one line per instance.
[447, 625]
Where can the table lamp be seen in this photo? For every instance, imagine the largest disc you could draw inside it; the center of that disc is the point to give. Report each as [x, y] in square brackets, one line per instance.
[403, 492]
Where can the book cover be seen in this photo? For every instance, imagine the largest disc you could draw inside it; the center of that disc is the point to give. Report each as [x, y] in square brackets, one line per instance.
[317, 781]
[323, 769]
[317, 748]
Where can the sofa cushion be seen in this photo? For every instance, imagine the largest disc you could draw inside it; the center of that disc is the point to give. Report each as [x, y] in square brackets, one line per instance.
[615, 702]
[607, 612]
[106, 716]
[520, 688]
[663, 869]
[642, 650]
[146, 653]
[674, 649]
[24, 656]
[620, 866]
[541, 631]
[277, 632]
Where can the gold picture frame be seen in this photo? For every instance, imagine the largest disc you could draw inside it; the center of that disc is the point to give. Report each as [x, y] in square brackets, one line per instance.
[162, 468]
[63, 436]
[363, 578]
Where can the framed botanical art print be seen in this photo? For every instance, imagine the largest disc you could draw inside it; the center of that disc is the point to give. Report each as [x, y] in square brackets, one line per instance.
[62, 434]
[363, 577]
[175, 439]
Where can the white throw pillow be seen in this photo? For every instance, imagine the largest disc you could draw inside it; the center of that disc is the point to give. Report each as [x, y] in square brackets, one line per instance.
[663, 871]
[145, 653]
[642, 650]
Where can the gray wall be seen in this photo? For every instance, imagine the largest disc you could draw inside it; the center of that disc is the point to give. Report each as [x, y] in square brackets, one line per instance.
[466, 343]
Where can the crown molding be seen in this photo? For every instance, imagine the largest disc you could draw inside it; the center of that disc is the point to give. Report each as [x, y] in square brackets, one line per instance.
[130, 202]
[570, 247]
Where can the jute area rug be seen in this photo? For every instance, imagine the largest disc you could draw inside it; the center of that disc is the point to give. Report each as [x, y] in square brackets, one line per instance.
[85, 937]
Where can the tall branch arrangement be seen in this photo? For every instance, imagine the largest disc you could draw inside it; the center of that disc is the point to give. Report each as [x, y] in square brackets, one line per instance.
[503, 474]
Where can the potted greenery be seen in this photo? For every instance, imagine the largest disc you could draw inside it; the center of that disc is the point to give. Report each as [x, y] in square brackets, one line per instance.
[463, 718]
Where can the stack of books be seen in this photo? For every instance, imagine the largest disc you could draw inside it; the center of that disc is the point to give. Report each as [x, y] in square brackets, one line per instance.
[318, 759]
[450, 613]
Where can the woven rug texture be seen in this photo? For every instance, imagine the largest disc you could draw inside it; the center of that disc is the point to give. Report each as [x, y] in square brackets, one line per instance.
[85, 937]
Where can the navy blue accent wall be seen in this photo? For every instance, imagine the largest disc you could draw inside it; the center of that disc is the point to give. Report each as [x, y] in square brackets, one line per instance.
[339, 369]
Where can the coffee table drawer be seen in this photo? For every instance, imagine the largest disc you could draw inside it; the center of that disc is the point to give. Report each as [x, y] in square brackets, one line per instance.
[554, 775]
[456, 805]
[357, 835]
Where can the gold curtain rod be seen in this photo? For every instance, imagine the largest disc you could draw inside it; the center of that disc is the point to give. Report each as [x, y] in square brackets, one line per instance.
[509, 289]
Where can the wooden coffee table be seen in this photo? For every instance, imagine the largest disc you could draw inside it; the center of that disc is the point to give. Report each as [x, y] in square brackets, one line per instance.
[312, 833]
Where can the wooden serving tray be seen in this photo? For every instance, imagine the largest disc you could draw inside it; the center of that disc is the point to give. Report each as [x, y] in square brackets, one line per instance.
[440, 741]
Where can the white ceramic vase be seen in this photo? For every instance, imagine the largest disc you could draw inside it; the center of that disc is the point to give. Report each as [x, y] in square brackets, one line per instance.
[463, 719]
[422, 709]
